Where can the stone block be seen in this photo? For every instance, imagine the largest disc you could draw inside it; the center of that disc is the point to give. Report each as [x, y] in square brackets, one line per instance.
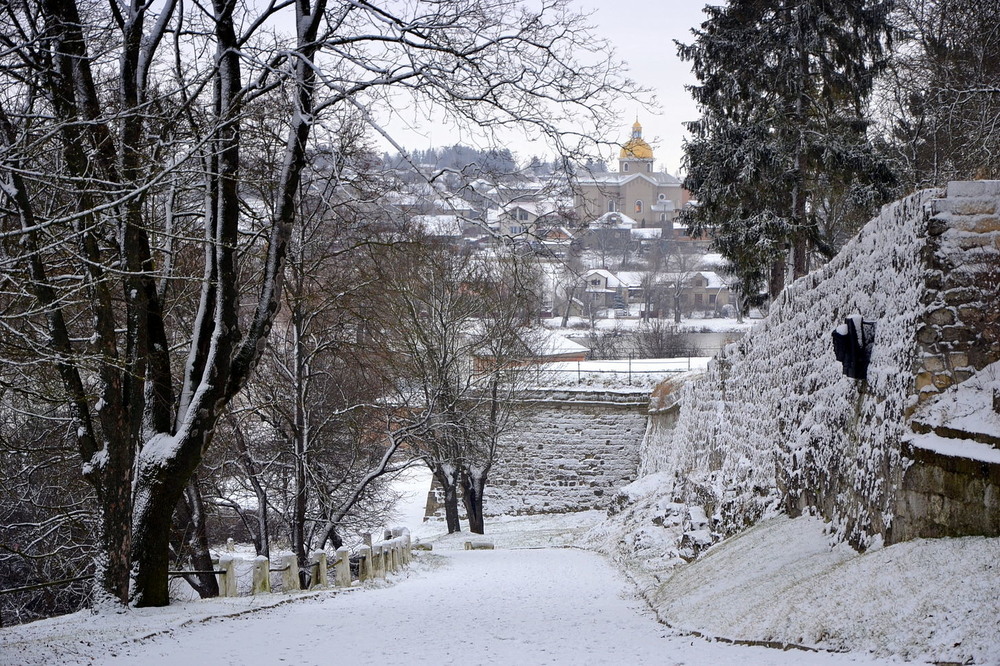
[937, 225]
[957, 334]
[973, 188]
[943, 380]
[974, 241]
[961, 296]
[962, 375]
[958, 359]
[261, 583]
[933, 363]
[965, 206]
[923, 380]
[941, 317]
[342, 568]
[928, 334]
[986, 224]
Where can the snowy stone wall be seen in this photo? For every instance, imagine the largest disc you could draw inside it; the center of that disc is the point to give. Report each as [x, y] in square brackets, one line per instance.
[570, 451]
[774, 424]
[959, 329]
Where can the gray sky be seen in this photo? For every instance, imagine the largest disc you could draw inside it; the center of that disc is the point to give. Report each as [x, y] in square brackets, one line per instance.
[642, 33]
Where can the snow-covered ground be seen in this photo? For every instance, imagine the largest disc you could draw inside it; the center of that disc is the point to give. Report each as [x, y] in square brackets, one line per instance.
[519, 604]
[932, 600]
[537, 599]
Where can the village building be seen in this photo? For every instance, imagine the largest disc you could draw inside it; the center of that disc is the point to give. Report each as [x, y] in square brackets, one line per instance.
[651, 198]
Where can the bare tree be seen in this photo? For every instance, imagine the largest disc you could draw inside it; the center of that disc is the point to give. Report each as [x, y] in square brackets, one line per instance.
[454, 325]
[939, 98]
[108, 111]
[682, 260]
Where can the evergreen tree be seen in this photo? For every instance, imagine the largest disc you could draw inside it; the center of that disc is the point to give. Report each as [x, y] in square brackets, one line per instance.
[781, 156]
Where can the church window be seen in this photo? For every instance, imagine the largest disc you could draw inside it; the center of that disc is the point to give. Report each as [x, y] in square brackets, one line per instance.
[649, 167]
[625, 166]
[638, 205]
[612, 206]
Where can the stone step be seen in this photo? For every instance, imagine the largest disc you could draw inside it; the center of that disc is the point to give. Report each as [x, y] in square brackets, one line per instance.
[974, 188]
[965, 206]
[947, 432]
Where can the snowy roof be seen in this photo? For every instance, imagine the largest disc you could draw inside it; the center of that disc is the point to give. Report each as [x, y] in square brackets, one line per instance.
[712, 278]
[620, 178]
[536, 208]
[614, 220]
[453, 202]
[630, 278]
[647, 233]
[551, 343]
[623, 279]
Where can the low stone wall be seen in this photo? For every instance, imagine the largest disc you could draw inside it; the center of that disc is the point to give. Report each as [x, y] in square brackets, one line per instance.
[569, 451]
[947, 496]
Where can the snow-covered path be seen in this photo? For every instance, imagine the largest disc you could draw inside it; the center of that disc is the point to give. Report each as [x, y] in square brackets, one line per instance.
[518, 606]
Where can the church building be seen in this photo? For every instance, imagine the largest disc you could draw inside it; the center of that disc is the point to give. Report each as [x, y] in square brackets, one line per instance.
[651, 198]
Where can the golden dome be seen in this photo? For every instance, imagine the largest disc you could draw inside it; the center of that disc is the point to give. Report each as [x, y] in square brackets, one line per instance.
[636, 147]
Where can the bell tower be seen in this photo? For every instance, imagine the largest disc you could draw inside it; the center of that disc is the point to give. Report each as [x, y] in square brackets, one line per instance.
[636, 156]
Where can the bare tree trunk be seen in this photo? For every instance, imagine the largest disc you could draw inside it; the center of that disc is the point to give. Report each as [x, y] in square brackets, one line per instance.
[473, 488]
[262, 538]
[190, 517]
[448, 478]
[777, 278]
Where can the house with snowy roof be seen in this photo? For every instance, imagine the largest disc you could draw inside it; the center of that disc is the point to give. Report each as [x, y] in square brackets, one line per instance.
[691, 291]
[604, 289]
[523, 220]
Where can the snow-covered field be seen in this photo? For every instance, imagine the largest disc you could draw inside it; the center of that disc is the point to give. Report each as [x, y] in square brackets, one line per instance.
[535, 601]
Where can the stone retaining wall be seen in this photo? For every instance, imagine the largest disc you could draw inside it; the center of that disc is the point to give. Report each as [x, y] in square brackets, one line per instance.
[958, 331]
[946, 496]
[570, 451]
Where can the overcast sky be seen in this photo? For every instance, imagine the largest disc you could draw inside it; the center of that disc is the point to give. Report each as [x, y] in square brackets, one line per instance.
[642, 33]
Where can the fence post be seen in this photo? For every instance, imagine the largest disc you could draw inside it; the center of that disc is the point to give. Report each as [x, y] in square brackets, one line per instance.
[227, 579]
[290, 573]
[342, 568]
[365, 572]
[321, 579]
[378, 557]
[261, 575]
[404, 535]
